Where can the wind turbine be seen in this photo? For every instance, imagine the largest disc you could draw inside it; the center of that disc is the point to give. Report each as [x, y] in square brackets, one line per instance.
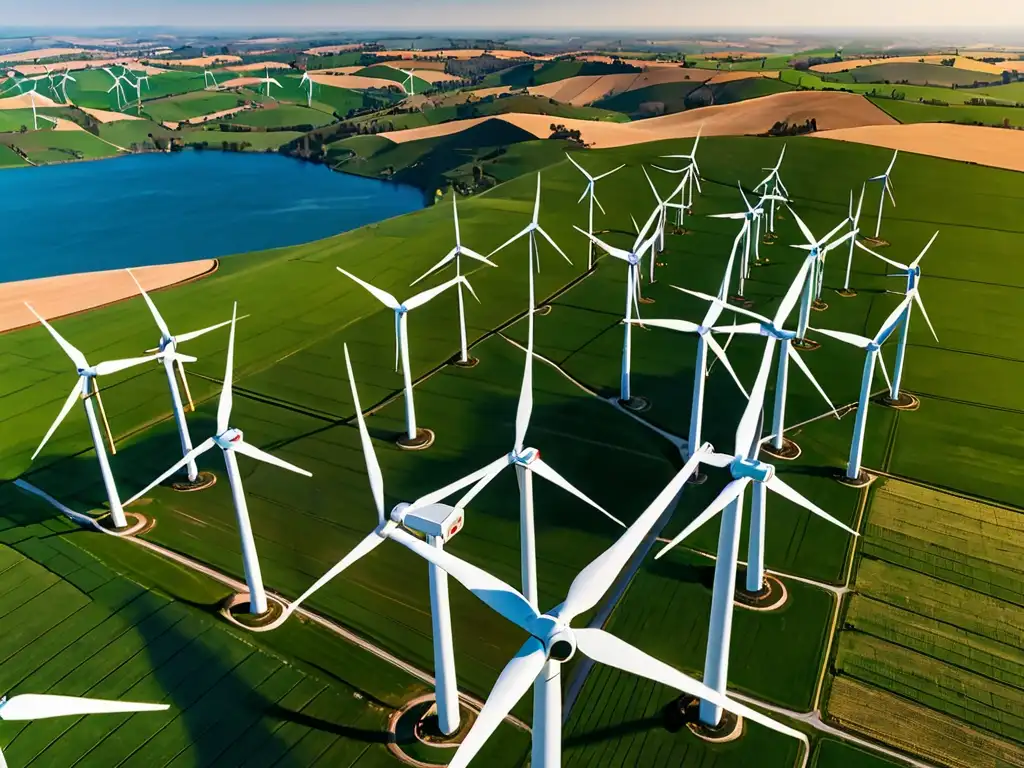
[231, 442]
[553, 640]
[411, 80]
[912, 272]
[854, 474]
[86, 388]
[208, 77]
[269, 81]
[530, 231]
[589, 190]
[137, 85]
[887, 187]
[633, 259]
[694, 175]
[662, 210]
[456, 254]
[63, 85]
[750, 217]
[850, 236]
[42, 706]
[773, 328]
[438, 523]
[414, 438]
[815, 249]
[168, 349]
[774, 181]
[307, 81]
[746, 469]
[527, 462]
[122, 98]
[689, 177]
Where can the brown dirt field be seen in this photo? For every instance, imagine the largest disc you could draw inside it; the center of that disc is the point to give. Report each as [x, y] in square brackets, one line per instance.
[642, 63]
[40, 53]
[916, 729]
[65, 295]
[212, 116]
[239, 82]
[76, 66]
[726, 77]
[436, 66]
[24, 101]
[586, 89]
[832, 109]
[483, 93]
[997, 147]
[258, 66]
[198, 61]
[67, 125]
[962, 62]
[355, 82]
[105, 116]
[335, 71]
[432, 76]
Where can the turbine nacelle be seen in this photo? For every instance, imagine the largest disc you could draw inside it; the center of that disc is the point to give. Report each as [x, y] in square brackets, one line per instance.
[633, 259]
[439, 521]
[525, 457]
[560, 645]
[756, 470]
[227, 440]
[767, 329]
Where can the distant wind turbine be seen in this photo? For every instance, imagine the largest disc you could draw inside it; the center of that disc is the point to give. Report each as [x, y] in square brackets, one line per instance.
[590, 191]
[887, 188]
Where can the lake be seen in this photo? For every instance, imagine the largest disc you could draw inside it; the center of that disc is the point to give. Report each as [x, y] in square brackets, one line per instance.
[162, 208]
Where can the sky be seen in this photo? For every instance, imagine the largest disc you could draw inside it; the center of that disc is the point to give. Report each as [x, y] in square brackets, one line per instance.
[534, 15]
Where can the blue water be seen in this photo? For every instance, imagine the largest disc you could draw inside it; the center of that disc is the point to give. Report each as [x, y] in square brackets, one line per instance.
[164, 208]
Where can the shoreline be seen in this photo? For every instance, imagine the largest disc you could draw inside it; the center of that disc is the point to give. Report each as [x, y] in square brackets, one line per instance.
[62, 296]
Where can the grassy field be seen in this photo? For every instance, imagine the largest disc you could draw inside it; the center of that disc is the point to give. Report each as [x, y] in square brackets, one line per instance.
[912, 112]
[1010, 94]
[919, 74]
[125, 133]
[76, 626]
[831, 753]
[61, 146]
[283, 116]
[13, 120]
[9, 158]
[258, 141]
[178, 108]
[419, 85]
[292, 398]
[671, 95]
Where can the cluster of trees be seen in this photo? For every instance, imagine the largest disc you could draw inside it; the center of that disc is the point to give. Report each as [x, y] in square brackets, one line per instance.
[805, 64]
[783, 128]
[559, 131]
[947, 62]
[225, 146]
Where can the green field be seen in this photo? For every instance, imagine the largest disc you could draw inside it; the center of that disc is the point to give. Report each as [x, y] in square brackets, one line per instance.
[125, 133]
[258, 141]
[292, 398]
[550, 72]
[838, 754]
[919, 74]
[283, 116]
[178, 108]
[13, 120]
[61, 146]
[912, 112]
[9, 158]
[1011, 94]
[419, 85]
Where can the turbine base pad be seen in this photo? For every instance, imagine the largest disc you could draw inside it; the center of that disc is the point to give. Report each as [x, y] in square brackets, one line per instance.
[235, 610]
[771, 596]
[423, 440]
[685, 712]
[542, 311]
[203, 480]
[818, 305]
[846, 293]
[876, 242]
[863, 479]
[805, 345]
[789, 450]
[636, 404]
[905, 402]
[469, 362]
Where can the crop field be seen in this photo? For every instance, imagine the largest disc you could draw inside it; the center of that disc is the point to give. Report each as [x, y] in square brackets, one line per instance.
[13, 120]
[919, 74]
[1011, 93]
[671, 95]
[935, 628]
[258, 141]
[62, 146]
[124, 133]
[9, 158]
[292, 398]
[283, 116]
[75, 626]
[911, 112]
[178, 108]
[838, 754]
[419, 85]
[171, 84]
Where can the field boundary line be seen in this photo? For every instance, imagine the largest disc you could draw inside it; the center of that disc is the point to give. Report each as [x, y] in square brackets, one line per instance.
[944, 489]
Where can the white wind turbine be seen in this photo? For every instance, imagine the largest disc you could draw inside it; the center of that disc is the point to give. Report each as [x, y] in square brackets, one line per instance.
[746, 469]
[553, 640]
[62, 86]
[816, 252]
[307, 81]
[86, 388]
[773, 328]
[530, 231]
[887, 187]
[772, 184]
[208, 78]
[693, 175]
[42, 706]
[751, 218]
[456, 254]
[439, 523]
[689, 175]
[169, 355]
[912, 272]
[851, 236]
[527, 462]
[662, 210]
[269, 81]
[633, 259]
[591, 192]
[232, 442]
[410, 78]
[122, 99]
[412, 438]
[872, 355]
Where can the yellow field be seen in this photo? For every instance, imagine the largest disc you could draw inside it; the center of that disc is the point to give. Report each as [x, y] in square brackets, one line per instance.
[918, 730]
[962, 62]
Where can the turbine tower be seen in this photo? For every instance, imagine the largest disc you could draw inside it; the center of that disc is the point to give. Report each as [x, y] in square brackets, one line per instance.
[415, 438]
[772, 185]
[887, 188]
[269, 81]
[168, 349]
[662, 209]
[411, 80]
[208, 79]
[231, 442]
[815, 249]
[86, 388]
[694, 170]
[456, 254]
[590, 191]
[307, 82]
[850, 236]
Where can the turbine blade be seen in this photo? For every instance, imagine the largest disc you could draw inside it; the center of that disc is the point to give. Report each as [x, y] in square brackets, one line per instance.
[369, 455]
[196, 334]
[606, 174]
[69, 349]
[443, 262]
[524, 408]
[361, 550]
[192, 455]
[115, 366]
[785, 491]
[578, 166]
[803, 227]
[554, 245]
[594, 581]
[422, 298]
[682, 326]
[443, 493]
[600, 207]
[795, 356]
[455, 213]
[720, 354]
[76, 392]
[37, 706]
[654, 189]
[513, 683]
[847, 338]
[605, 648]
[536, 203]
[583, 194]
[542, 468]
[250, 450]
[226, 394]
[924, 314]
[885, 371]
[731, 308]
[611, 250]
[476, 256]
[525, 231]
[792, 296]
[920, 256]
[893, 320]
[485, 476]
[383, 297]
[896, 264]
[728, 494]
[747, 431]
[152, 307]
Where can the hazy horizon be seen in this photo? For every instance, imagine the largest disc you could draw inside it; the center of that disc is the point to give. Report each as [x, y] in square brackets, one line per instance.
[664, 17]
